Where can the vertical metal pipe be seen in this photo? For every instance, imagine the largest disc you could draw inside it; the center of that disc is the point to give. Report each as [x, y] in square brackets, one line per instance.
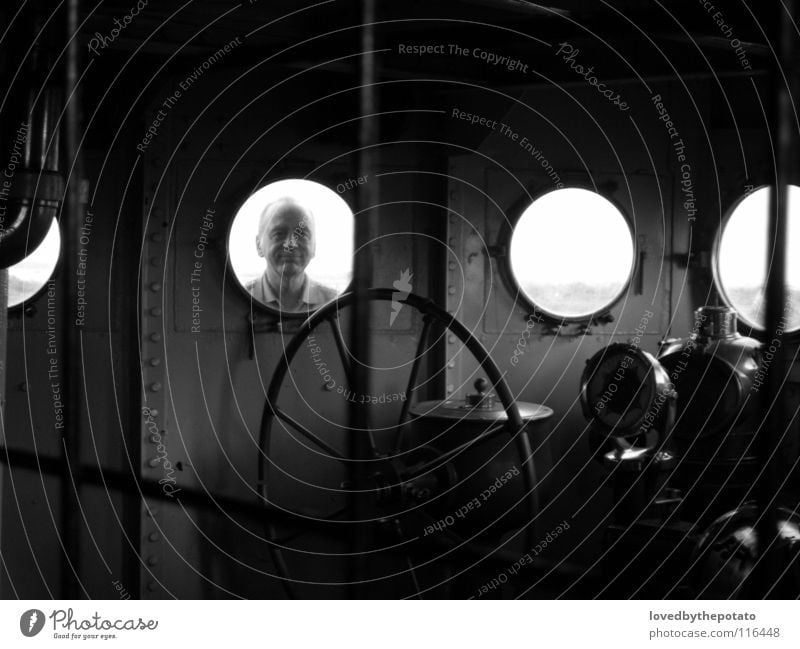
[70, 336]
[3, 357]
[774, 420]
[360, 338]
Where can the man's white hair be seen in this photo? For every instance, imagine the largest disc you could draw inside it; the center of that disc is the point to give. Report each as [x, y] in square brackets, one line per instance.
[277, 206]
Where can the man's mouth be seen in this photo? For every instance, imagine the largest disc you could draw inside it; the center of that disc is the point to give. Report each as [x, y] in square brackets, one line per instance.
[289, 259]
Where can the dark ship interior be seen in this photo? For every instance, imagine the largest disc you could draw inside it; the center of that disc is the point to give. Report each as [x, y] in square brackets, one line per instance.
[448, 299]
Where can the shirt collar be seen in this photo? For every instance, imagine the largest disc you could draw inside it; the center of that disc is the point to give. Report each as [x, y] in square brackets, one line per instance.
[312, 294]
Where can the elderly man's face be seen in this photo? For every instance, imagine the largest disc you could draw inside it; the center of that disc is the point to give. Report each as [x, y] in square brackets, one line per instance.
[287, 242]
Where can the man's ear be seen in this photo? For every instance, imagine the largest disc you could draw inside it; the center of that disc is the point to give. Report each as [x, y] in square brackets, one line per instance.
[258, 246]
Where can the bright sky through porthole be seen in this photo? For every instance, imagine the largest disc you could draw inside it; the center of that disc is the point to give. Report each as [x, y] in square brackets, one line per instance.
[28, 276]
[572, 252]
[743, 253]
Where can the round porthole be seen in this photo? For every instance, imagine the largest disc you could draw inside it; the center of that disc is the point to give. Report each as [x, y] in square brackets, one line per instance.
[571, 253]
[28, 277]
[742, 258]
[291, 246]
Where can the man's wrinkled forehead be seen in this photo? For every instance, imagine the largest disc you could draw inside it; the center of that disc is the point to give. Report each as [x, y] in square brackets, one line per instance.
[286, 214]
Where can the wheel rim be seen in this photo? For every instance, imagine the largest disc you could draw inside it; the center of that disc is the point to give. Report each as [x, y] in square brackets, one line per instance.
[515, 426]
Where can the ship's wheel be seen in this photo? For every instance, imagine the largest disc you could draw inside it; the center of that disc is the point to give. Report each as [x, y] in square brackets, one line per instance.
[410, 479]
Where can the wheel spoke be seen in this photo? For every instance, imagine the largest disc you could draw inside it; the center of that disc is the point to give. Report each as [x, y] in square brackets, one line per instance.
[308, 434]
[304, 530]
[447, 533]
[422, 347]
[413, 573]
[436, 462]
[333, 320]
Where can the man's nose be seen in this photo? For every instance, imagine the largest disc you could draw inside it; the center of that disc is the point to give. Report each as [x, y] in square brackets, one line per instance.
[291, 241]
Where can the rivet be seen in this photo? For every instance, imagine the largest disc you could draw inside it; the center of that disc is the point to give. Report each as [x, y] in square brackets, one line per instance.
[154, 362]
[451, 290]
[451, 339]
[156, 237]
[153, 536]
[155, 261]
[151, 586]
[151, 561]
[153, 412]
[155, 311]
[449, 388]
[451, 265]
[23, 387]
[451, 364]
[153, 462]
[155, 287]
[453, 242]
[452, 218]
[155, 386]
[155, 337]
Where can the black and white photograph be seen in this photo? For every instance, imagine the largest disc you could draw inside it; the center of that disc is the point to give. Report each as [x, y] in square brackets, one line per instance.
[379, 300]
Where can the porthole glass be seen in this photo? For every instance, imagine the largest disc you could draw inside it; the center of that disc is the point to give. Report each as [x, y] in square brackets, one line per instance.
[572, 253]
[291, 245]
[27, 277]
[741, 260]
